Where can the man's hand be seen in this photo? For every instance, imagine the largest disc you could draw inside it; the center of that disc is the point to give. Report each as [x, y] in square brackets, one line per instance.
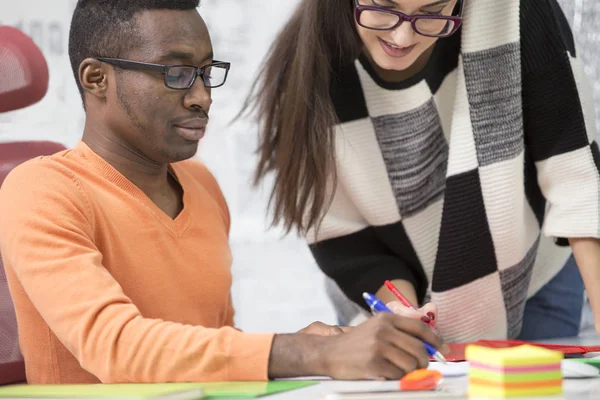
[386, 346]
[321, 329]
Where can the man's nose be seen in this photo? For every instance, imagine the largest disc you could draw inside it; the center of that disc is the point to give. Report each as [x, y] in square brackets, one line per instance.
[198, 96]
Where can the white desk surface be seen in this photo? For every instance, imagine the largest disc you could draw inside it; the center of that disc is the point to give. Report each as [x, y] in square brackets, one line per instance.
[574, 389]
[586, 389]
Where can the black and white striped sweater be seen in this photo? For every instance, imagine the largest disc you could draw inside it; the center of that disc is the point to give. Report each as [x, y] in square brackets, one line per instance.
[467, 178]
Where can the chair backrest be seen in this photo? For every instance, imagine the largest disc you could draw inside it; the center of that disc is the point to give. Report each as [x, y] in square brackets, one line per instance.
[12, 367]
[23, 70]
[23, 82]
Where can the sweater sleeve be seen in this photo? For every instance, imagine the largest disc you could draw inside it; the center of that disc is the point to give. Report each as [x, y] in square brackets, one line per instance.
[47, 239]
[559, 122]
[360, 262]
[360, 257]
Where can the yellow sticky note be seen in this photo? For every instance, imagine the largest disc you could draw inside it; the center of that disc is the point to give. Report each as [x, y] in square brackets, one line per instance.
[519, 356]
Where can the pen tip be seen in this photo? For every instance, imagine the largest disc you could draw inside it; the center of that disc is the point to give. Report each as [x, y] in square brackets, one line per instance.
[439, 357]
[365, 295]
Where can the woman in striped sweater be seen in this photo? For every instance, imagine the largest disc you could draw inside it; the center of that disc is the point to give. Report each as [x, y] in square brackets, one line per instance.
[447, 146]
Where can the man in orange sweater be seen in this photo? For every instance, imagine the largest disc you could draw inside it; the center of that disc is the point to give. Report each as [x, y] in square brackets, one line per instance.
[117, 250]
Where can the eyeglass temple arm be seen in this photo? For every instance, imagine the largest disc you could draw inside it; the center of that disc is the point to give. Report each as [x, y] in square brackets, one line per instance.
[134, 64]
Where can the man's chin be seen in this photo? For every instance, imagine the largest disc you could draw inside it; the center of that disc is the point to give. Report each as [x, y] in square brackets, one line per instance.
[183, 152]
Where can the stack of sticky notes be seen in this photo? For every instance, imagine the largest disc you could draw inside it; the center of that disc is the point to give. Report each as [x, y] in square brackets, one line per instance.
[514, 372]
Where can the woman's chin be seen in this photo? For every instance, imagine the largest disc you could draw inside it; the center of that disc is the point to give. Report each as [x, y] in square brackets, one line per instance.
[388, 63]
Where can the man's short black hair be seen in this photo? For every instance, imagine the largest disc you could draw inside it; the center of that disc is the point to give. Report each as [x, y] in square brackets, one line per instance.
[107, 28]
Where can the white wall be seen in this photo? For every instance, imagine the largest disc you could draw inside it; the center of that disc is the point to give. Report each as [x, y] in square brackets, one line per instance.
[584, 17]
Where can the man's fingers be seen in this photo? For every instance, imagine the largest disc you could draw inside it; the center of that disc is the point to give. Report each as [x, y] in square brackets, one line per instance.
[445, 349]
[418, 329]
[345, 329]
[335, 330]
[409, 353]
[388, 370]
[321, 329]
[410, 346]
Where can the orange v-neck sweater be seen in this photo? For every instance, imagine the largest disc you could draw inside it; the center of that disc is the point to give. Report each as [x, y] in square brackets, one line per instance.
[109, 288]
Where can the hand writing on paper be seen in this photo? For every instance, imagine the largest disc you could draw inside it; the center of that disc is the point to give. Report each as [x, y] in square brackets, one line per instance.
[428, 313]
[387, 346]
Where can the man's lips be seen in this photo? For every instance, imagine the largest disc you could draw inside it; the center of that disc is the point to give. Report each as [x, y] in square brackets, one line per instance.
[192, 129]
[196, 123]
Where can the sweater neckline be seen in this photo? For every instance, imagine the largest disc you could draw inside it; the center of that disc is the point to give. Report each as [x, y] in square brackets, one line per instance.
[176, 225]
[437, 56]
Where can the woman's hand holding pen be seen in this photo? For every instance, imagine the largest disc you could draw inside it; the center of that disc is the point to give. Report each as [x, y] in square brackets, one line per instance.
[428, 313]
[403, 306]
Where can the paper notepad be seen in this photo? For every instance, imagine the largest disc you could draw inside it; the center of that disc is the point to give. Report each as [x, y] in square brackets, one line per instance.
[451, 369]
[520, 371]
[170, 391]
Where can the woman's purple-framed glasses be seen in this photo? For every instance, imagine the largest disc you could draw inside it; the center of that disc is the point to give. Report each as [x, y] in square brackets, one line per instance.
[382, 19]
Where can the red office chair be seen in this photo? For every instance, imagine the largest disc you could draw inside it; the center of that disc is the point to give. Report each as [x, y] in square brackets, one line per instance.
[23, 70]
[23, 82]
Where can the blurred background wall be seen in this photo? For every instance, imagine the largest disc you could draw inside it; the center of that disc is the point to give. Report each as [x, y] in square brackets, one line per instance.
[584, 17]
[277, 286]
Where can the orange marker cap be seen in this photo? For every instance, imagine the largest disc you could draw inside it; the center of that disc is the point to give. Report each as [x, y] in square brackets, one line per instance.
[421, 379]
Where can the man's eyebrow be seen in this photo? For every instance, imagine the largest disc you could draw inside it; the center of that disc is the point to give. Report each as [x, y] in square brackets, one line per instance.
[177, 55]
[184, 56]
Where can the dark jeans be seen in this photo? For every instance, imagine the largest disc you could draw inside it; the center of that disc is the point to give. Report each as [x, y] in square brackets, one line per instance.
[555, 311]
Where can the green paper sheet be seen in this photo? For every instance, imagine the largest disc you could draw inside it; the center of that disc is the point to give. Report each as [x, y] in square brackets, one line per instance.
[212, 390]
[590, 361]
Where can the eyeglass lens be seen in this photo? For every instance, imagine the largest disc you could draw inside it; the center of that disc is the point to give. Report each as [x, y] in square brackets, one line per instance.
[182, 77]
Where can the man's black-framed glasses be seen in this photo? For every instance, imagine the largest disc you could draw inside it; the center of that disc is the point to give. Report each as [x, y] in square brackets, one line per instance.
[179, 77]
[383, 19]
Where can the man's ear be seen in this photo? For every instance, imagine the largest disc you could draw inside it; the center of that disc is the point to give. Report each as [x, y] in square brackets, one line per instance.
[94, 77]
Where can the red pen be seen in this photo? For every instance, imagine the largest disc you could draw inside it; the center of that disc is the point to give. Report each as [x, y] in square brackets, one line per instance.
[398, 295]
[405, 301]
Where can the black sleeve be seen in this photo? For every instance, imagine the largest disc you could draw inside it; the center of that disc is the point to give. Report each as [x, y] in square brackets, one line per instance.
[362, 261]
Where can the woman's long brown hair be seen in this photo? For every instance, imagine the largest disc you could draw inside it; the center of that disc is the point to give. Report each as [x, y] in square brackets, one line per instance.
[291, 97]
